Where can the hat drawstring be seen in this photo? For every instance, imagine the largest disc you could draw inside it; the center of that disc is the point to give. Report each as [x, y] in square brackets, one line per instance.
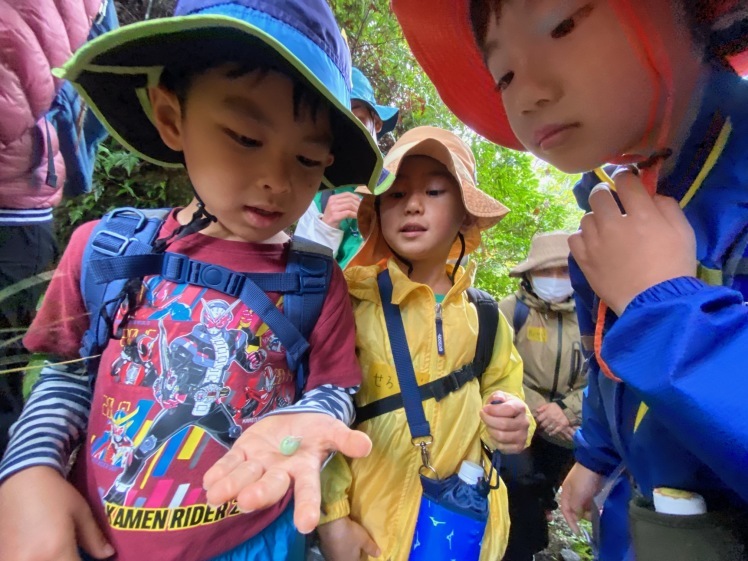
[459, 259]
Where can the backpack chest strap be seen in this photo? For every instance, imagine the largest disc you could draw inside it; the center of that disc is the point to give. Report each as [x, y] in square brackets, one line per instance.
[438, 390]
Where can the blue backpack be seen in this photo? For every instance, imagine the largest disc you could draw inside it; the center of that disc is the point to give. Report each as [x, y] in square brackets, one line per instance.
[79, 132]
[121, 248]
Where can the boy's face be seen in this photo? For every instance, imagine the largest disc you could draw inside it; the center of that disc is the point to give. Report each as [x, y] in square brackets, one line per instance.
[368, 118]
[423, 211]
[576, 90]
[254, 164]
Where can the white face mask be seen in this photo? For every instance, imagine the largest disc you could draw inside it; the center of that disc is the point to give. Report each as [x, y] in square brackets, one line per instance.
[551, 289]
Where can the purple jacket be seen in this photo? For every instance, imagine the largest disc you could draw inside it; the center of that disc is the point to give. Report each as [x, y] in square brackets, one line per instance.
[35, 37]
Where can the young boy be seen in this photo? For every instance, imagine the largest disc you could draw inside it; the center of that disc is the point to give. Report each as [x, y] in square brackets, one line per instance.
[331, 219]
[433, 211]
[254, 103]
[585, 83]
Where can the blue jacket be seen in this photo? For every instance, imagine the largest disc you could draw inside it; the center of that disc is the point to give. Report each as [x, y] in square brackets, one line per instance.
[681, 347]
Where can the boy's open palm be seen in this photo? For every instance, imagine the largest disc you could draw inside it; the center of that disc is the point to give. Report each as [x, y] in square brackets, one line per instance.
[258, 475]
[345, 540]
[41, 515]
[622, 255]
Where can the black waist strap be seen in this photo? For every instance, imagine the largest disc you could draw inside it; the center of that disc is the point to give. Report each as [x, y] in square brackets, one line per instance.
[438, 390]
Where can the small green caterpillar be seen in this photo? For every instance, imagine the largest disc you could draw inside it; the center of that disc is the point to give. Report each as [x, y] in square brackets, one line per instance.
[289, 445]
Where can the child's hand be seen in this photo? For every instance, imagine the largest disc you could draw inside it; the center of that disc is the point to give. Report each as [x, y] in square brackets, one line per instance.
[44, 518]
[258, 475]
[577, 492]
[550, 417]
[624, 255]
[507, 422]
[339, 207]
[345, 540]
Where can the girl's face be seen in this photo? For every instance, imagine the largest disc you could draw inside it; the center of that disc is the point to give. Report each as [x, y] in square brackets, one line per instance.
[575, 82]
[422, 212]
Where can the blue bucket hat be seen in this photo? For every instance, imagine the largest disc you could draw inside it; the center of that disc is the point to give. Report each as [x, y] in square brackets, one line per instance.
[114, 71]
[363, 91]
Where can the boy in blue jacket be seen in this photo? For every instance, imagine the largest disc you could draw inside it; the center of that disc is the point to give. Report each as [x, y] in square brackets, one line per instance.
[661, 286]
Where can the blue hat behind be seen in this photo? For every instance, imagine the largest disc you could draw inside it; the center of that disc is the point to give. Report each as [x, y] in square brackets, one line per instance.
[113, 71]
[363, 91]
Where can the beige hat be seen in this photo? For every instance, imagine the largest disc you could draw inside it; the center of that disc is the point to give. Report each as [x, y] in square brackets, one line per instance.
[448, 149]
[546, 250]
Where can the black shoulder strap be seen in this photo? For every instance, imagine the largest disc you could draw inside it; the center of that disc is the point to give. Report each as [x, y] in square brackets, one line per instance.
[488, 322]
[521, 311]
[324, 197]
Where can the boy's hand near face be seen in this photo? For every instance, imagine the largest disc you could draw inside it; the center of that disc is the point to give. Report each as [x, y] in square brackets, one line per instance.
[507, 422]
[339, 207]
[52, 524]
[257, 474]
[622, 255]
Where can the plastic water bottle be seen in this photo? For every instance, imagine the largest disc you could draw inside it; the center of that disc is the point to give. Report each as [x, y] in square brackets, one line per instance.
[452, 517]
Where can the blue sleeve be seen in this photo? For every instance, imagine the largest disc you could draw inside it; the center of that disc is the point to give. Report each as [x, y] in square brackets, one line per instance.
[682, 346]
[593, 443]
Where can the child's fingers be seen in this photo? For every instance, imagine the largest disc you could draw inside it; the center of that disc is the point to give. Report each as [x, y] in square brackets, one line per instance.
[577, 247]
[569, 513]
[222, 467]
[634, 197]
[349, 442]
[505, 424]
[266, 491]
[232, 483]
[369, 546]
[307, 499]
[512, 407]
[671, 211]
[603, 205]
[90, 537]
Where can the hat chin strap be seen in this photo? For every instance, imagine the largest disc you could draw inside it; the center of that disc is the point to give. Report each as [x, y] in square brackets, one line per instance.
[201, 218]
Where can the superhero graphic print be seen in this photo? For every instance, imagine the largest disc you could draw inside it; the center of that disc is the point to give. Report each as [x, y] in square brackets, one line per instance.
[192, 370]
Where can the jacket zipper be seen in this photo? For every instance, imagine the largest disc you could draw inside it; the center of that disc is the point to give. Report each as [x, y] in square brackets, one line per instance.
[439, 330]
[558, 357]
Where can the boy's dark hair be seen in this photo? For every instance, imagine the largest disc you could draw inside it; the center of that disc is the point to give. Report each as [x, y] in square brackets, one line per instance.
[697, 13]
[179, 76]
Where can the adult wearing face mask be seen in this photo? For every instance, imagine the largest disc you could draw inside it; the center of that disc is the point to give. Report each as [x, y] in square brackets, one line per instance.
[547, 337]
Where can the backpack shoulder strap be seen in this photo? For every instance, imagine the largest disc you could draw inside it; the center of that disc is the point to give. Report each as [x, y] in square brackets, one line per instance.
[521, 312]
[488, 324]
[324, 198]
[121, 232]
[314, 264]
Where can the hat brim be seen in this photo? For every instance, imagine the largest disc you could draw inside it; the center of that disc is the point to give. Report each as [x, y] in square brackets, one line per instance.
[534, 264]
[388, 115]
[442, 42]
[116, 90]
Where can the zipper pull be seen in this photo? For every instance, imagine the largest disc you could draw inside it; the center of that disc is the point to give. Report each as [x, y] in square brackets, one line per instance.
[439, 330]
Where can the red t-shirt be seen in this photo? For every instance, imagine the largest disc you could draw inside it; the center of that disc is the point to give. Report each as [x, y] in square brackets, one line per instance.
[157, 424]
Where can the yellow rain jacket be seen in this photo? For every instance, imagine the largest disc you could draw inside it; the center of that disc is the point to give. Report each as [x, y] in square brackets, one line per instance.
[382, 492]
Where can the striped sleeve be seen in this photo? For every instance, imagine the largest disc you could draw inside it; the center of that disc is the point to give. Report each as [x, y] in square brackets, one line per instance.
[328, 399]
[52, 423]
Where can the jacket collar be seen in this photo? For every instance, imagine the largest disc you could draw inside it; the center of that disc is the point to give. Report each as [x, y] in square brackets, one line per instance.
[362, 282]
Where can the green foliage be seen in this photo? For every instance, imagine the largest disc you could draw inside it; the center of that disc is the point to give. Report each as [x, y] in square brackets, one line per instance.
[121, 179]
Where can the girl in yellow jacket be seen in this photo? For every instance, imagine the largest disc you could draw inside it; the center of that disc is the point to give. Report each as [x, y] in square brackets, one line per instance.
[432, 212]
